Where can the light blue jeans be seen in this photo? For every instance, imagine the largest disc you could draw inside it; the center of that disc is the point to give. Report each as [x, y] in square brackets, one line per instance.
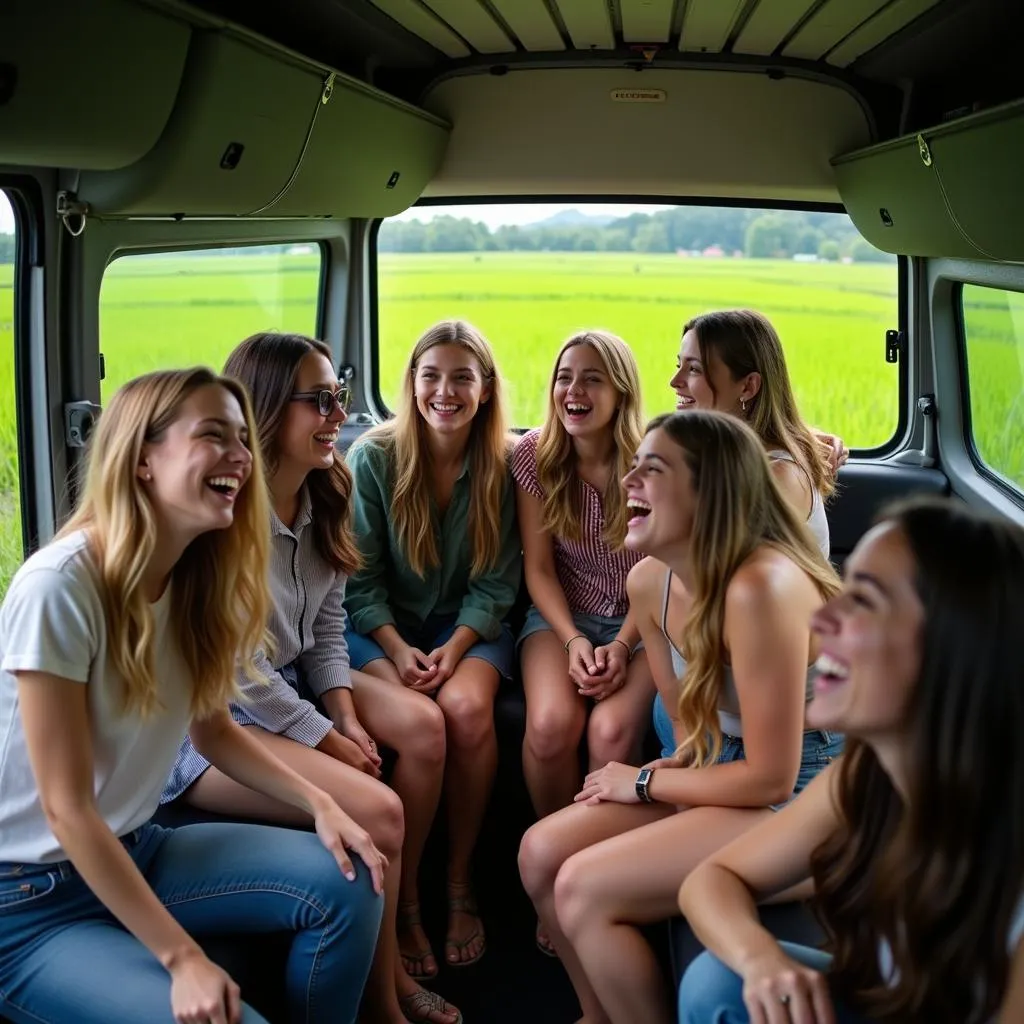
[710, 993]
[64, 959]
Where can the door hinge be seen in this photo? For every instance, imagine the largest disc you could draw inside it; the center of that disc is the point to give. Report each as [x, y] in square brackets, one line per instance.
[72, 212]
[894, 344]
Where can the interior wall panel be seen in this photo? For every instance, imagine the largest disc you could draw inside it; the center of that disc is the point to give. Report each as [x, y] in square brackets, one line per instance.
[646, 21]
[707, 24]
[830, 25]
[532, 23]
[887, 22]
[411, 14]
[770, 23]
[474, 24]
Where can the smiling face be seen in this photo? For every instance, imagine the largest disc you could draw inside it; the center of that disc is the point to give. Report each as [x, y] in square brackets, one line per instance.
[708, 384]
[585, 400]
[306, 438]
[660, 497]
[449, 388]
[195, 471]
[869, 638]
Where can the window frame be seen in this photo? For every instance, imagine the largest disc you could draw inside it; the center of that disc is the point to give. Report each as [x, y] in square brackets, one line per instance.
[899, 436]
[988, 472]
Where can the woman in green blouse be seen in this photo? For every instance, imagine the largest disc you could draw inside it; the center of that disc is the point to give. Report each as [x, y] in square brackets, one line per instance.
[435, 523]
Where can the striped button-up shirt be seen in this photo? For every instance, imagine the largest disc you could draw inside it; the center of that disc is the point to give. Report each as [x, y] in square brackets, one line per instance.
[307, 622]
[592, 575]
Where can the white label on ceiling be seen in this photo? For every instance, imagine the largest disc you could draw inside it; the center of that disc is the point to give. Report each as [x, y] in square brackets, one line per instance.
[639, 95]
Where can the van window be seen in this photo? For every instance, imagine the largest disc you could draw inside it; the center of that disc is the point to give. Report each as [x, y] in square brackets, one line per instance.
[993, 333]
[170, 309]
[530, 275]
[11, 550]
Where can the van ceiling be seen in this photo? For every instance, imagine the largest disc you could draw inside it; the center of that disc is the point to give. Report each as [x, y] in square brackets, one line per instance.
[943, 56]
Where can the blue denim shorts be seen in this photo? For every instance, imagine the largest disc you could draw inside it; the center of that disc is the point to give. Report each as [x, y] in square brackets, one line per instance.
[820, 748]
[600, 630]
[432, 633]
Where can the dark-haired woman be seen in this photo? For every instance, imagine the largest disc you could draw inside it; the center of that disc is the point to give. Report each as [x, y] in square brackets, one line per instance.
[299, 406]
[914, 839]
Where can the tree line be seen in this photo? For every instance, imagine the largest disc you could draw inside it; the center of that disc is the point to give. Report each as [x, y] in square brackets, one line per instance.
[6, 248]
[754, 233]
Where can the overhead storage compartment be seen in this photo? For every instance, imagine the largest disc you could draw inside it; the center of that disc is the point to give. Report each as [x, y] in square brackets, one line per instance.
[231, 143]
[88, 85]
[953, 190]
[259, 132]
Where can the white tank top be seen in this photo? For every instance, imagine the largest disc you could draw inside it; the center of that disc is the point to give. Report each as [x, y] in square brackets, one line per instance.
[817, 520]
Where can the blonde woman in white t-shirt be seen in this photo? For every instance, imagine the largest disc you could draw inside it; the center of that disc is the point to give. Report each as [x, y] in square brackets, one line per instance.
[115, 640]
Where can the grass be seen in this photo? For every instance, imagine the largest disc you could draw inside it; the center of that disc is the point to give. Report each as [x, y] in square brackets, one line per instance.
[172, 311]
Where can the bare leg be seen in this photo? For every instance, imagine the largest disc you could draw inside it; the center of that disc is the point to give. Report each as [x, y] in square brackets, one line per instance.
[548, 845]
[368, 802]
[413, 726]
[619, 723]
[555, 717]
[467, 700]
[604, 892]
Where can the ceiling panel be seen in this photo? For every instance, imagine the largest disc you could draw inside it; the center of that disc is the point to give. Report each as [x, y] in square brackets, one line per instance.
[646, 21]
[589, 24]
[884, 24]
[770, 23]
[532, 23]
[412, 15]
[707, 23]
[471, 20]
[829, 26]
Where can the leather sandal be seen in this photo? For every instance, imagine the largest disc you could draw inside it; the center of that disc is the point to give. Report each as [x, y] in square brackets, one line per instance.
[415, 964]
[417, 1007]
[462, 901]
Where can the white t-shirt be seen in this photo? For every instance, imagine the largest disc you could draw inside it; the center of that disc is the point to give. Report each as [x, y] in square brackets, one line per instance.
[52, 621]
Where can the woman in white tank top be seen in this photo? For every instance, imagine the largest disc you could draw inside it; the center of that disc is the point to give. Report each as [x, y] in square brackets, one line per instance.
[732, 361]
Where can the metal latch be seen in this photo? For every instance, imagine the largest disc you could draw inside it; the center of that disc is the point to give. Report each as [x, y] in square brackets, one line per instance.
[894, 345]
[72, 212]
[79, 420]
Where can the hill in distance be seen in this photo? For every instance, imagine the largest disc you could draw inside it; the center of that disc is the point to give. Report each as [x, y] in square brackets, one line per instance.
[572, 218]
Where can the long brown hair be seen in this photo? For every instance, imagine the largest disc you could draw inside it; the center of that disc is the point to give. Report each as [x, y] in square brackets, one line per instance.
[219, 595]
[267, 364]
[746, 342]
[404, 438]
[939, 877]
[739, 508]
[556, 464]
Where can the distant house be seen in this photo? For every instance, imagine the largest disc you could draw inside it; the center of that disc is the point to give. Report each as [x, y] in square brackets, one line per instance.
[300, 250]
[713, 252]
[805, 257]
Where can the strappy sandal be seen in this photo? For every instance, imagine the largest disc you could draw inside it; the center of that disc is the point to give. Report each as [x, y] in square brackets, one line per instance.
[417, 1007]
[462, 901]
[415, 964]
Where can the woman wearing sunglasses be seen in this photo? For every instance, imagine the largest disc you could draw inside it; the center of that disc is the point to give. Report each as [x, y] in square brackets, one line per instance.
[299, 406]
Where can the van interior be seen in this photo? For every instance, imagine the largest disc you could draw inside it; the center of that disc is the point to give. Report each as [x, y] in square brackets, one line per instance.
[134, 128]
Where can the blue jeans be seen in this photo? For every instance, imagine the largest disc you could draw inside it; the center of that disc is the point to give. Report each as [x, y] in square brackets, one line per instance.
[600, 630]
[64, 958]
[710, 993]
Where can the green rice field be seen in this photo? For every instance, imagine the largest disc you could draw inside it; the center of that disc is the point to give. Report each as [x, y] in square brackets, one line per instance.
[159, 311]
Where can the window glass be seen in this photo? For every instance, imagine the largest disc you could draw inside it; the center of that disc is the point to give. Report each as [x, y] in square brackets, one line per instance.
[994, 340]
[11, 551]
[164, 310]
[530, 275]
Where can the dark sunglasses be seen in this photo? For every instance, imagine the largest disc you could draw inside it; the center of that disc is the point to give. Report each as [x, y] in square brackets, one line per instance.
[325, 400]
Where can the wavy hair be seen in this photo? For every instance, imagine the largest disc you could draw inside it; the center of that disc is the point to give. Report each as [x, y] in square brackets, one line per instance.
[739, 508]
[556, 465]
[267, 364]
[219, 595]
[746, 342]
[938, 876]
[404, 438]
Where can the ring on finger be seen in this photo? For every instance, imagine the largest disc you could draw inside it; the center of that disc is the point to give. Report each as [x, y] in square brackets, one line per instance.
[784, 999]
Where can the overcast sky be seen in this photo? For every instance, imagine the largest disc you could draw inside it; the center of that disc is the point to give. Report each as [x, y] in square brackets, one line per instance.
[492, 215]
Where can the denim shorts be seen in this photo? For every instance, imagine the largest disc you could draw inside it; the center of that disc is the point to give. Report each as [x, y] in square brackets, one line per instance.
[437, 629]
[820, 748]
[600, 630]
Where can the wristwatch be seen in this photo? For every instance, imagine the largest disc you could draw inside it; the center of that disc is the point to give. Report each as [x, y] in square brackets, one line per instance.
[643, 781]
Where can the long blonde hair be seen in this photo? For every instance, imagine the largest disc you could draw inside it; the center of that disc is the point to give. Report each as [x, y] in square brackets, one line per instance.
[739, 508]
[746, 342]
[405, 439]
[556, 465]
[219, 596]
